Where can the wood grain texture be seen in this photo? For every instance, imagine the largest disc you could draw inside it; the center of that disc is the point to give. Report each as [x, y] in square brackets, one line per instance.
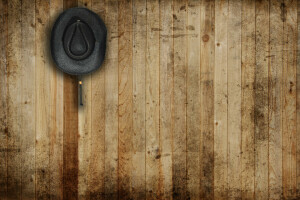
[196, 99]
[275, 96]
[248, 99]
[221, 101]
[125, 102]
[139, 98]
[3, 100]
[261, 100]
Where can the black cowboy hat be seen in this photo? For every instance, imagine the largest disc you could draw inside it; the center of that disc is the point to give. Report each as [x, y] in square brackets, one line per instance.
[78, 41]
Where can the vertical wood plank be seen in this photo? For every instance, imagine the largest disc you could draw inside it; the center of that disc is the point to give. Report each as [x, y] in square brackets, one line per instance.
[96, 164]
[3, 100]
[28, 100]
[125, 98]
[85, 128]
[166, 96]
[298, 100]
[152, 101]
[111, 102]
[207, 56]
[248, 98]
[261, 100]
[220, 101]
[180, 68]
[42, 100]
[139, 98]
[275, 99]
[193, 99]
[289, 100]
[57, 117]
[70, 138]
[14, 71]
[234, 99]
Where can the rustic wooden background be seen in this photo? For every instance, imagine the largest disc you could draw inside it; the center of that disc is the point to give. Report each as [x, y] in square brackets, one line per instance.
[197, 99]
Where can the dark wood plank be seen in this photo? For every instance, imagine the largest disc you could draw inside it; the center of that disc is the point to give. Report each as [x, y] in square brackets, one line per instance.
[3, 100]
[70, 139]
[14, 71]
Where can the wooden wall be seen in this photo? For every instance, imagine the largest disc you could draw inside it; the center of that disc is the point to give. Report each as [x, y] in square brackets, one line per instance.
[197, 99]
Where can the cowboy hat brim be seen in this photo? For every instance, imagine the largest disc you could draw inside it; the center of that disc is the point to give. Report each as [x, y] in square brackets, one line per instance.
[95, 58]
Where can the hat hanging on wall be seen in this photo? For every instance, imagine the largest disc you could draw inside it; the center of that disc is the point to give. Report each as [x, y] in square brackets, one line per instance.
[78, 42]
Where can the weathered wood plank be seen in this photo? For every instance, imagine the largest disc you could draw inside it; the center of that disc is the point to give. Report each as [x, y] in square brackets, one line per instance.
[97, 143]
[3, 100]
[42, 108]
[125, 99]
[85, 128]
[180, 90]
[248, 75]
[289, 101]
[57, 116]
[234, 99]
[14, 71]
[111, 102]
[152, 101]
[166, 97]
[275, 99]
[220, 101]
[298, 100]
[261, 100]
[207, 56]
[193, 97]
[28, 100]
[70, 127]
[139, 99]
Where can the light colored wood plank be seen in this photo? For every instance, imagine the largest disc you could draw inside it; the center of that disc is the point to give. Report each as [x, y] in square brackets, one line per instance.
[220, 101]
[139, 99]
[111, 102]
[261, 100]
[289, 113]
[180, 99]
[42, 100]
[234, 99]
[207, 56]
[85, 128]
[28, 100]
[3, 100]
[14, 100]
[248, 75]
[166, 96]
[97, 142]
[275, 99]
[193, 98]
[152, 102]
[57, 117]
[125, 99]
